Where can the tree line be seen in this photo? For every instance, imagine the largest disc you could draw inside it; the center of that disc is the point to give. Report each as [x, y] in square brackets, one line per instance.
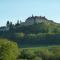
[9, 50]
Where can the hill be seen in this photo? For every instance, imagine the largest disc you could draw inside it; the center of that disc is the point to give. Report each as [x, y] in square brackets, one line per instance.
[34, 24]
[35, 31]
[38, 24]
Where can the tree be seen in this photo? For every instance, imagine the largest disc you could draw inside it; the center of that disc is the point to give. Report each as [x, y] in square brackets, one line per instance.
[20, 21]
[17, 24]
[27, 54]
[7, 24]
[8, 50]
[20, 35]
[31, 36]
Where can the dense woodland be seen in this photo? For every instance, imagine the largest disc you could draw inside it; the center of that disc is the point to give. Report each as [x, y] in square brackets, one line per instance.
[14, 38]
[32, 35]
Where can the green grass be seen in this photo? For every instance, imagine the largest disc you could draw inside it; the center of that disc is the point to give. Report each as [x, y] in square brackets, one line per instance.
[43, 47]
[43, 52]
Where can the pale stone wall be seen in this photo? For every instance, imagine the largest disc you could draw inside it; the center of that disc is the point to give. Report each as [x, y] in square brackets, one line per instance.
[29, 21]
[32, 20]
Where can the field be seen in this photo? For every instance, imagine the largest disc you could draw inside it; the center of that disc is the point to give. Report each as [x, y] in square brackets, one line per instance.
[41, 53]
[42, 47]
[10, 49]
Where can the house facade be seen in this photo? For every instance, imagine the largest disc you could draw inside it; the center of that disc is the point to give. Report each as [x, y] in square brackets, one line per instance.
[35, 19]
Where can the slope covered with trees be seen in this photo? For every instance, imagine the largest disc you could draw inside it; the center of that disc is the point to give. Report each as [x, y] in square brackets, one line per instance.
[32, 35]
[13, 37]
[8, 50]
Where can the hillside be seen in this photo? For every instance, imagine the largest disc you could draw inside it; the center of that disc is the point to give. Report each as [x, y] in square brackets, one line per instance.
[38, 24]
[44, 32]
[34, 24]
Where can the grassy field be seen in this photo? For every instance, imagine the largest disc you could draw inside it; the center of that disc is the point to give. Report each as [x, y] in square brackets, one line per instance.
[41, 53]
[51, 52]
[43, 47]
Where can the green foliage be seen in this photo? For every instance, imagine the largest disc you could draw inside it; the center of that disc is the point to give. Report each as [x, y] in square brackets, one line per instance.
[38, 33]
[42, 53]
[20, 35]
[31, 36]
[37, 58]
[8, 50]
[39, 28]
[27, 54]
[43, 27]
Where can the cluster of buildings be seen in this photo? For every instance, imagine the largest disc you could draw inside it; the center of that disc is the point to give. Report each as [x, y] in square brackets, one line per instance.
[36, 19]
[30, 21]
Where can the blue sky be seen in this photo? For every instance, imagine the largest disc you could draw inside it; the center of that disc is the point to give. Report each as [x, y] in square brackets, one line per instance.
[14, 10]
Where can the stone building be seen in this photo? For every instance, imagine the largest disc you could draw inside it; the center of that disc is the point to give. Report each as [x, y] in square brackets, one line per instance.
[36, 19]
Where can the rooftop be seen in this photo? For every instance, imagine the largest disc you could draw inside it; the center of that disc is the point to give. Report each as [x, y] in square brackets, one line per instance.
[37, 17]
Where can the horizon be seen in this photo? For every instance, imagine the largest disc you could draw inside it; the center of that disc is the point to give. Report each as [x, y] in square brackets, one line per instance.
[13, 10]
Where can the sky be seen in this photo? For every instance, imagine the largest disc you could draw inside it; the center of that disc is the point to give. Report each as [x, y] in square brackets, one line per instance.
[14, 10]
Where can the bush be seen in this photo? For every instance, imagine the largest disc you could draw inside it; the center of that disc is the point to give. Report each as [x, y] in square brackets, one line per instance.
[27, 54]
[8, 50]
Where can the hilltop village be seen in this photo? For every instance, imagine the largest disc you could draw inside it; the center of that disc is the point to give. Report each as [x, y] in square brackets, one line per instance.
[29, 21]
[36, 19]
